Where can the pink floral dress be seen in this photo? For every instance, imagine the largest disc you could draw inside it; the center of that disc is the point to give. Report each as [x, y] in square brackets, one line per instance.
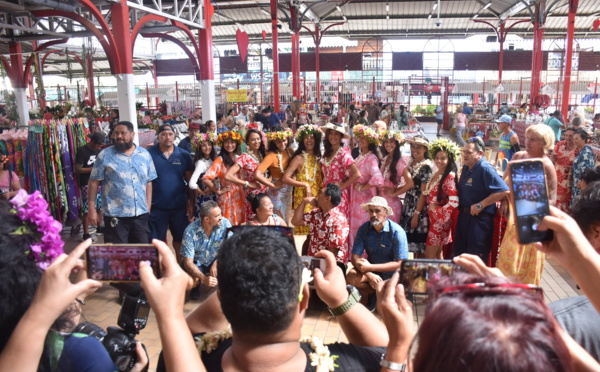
[440, 220]
[564, 174]
[394, 202]
[248, 165]
[336, 171]
[369, 175]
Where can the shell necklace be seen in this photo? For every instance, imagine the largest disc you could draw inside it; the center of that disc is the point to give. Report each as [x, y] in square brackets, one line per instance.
[258, 158]
[331, 159]
[360, 157]
[280, 160]
[386, 167]
[314, 173]
[415, 168]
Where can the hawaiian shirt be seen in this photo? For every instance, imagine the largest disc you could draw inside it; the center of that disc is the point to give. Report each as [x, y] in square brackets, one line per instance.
[327, 230]
[202, 248]
[124, 179]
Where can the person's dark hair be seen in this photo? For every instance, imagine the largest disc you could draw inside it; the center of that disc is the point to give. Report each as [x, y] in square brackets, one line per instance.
[426, 156]
[402, 108]
[272, 146]
[128, 124]
[478, 142]
[335, 193]
[266, 110]
[228, 158]
[396, 155]
[362, 114]
[199, 155]
[590, 175]
[207, 124]
[499, 328]
[302, 147]
[206, 208]
[255, 200]
[259, 274]
[204, 128]
[327, 145]
[352, 107]
[451, 167]
[584, 209]
[583, 133]
[219, 117]
[261, 149]
[572, 129]
[230, 111]
[375, 150]
[116, 111]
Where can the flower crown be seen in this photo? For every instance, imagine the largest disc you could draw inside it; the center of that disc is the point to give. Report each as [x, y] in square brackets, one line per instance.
[308, 129]
[252, 126]
[444, 144]
[38, 222]
[362, 131]
[229, 135]
[203, 138]
[391, 135]
[280, 135]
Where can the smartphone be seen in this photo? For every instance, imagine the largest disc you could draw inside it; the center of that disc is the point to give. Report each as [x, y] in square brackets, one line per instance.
[415, 275]
[120, 263]
[530, 200]
[312, 263]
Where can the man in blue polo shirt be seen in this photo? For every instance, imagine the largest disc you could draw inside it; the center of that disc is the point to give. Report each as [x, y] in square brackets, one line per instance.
[170, 206]
[386, 246]
[479, 188]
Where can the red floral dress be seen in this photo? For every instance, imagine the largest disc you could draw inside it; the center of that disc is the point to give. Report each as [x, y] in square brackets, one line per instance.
[336, 171]
[248, 165]
[564, 175]
[327, 230]
[440, 220]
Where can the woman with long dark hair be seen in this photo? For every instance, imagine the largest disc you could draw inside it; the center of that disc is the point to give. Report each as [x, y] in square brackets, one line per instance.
[246, 164]
[230, 194]
[277, 160]
[304, 171]
[205, 155]
[263, 209]
[441, 196]
[394, 170]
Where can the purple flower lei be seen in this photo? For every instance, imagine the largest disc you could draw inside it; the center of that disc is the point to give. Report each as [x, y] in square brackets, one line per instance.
[37, 221]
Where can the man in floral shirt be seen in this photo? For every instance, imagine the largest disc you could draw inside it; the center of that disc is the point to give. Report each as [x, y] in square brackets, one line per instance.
[328, 225]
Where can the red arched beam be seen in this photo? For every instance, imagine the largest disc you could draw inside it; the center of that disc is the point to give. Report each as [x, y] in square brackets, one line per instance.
[108, 44]
[182, 46]
[138, 26]
[189, 33]
[27, 72]
[59, 51]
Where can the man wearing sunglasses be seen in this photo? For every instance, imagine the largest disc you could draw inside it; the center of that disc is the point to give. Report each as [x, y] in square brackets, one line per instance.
[479, 188]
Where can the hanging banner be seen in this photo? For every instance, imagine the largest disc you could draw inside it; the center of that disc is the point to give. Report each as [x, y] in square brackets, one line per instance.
[237, 95]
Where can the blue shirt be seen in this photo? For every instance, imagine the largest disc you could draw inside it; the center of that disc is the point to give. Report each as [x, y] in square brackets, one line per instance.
[124, 179]
[479, 183]
[169, 189]
[84, 353]
[467, 110]
[200, 247]
[186, 144]
[273, 120]
[388, 245]
[439, 115]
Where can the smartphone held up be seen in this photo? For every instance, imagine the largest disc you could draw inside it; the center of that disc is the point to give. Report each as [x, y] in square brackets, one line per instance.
[416, 275]
[529, 197]
[120, 263]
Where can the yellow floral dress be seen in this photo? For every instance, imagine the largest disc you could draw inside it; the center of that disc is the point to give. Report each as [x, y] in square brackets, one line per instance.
[310, 173]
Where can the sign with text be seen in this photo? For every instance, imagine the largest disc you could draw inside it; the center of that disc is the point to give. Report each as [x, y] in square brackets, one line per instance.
[237, 95]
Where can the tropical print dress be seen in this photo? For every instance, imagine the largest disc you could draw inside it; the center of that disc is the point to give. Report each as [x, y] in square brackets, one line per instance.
[564, 175]
[248, 165]
[421, 173]
[335, 171]
[440, 219]
[584, 160]
[394, 202]
[231, 202]
[282, 198]
[310, 173]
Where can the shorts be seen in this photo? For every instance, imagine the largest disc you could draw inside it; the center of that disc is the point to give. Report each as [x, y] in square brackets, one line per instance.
[439, 121]
[175, 220]
[126, 230]
[84, 199]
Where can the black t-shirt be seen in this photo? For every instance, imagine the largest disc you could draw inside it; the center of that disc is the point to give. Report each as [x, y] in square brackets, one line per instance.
[87, 157]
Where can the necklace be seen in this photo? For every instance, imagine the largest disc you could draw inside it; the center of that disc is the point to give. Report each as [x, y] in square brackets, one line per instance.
[305, 166]
[328, 162]
[415, 168]
[258, 158]
[280, 160]
[360, 157]
[387, 162]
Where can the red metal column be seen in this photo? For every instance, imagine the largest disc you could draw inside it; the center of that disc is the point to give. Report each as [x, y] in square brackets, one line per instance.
[156, 99]
[90, 80]
[537, 56]
[275, 37]
[500, 59]
[445, 85]
[16, 65]
[296, 64]
[122, 32]
[317, 39]
[573, 4]
[207, 71]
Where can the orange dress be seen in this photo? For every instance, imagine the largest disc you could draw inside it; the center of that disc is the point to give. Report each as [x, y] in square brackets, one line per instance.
[231, 202]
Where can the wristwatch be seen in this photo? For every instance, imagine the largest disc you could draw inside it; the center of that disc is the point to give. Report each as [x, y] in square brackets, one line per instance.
[391, 365]
[478, 206]
[353, 298]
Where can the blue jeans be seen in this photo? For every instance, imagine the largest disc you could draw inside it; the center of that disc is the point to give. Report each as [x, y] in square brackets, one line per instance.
[459, 135]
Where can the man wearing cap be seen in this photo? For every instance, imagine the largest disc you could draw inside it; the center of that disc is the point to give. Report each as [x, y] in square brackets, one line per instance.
[509, 141]
[479, 188]
[554, 122]
[171, 204]
[84, 161]
[385, 244]
[186, 143]
[329, 227]
[243, 115]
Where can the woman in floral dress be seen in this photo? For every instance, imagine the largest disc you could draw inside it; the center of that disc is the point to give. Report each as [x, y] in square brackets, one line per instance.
[203, 145]
[337, 163]
[584, 160]
[393, 170]
[441, 196]
[563, 156]
[365, 187]
[231, 195]
[415, 219]
[246, 164]
[277, 160]
[304, 171]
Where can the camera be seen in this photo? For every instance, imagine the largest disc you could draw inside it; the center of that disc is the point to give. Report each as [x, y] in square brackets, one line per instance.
[120, 342]
[438, 23]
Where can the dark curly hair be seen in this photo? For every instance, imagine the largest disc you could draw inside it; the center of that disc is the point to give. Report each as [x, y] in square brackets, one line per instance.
[228, 159]
[302, 147]
[261, 149]
[255, 200]
[259, 273]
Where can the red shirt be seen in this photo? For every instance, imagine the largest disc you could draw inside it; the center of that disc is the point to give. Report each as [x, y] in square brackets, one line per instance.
[327, 230]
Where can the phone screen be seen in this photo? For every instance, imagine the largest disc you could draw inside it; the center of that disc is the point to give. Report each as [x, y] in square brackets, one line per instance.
[415, 275]
[120, 263]
[530, 200]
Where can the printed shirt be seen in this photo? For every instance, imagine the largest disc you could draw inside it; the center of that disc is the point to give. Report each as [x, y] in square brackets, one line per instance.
[327, 230]
[124, 179]
[201, 248]
[388, 245]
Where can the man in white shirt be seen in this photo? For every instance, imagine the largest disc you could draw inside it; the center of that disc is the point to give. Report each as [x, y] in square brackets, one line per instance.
[244, 115]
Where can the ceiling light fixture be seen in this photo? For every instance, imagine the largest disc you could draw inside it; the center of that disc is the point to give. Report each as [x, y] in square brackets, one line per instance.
[387, 17]
[387, 7]
[475, 16]
[265, 12]
[486, 6]
[429, 17]
[338, 8]
[434, 6]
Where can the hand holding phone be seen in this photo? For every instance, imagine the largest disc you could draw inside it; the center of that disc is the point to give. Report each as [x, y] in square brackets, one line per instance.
[416, 275]
[120, 263]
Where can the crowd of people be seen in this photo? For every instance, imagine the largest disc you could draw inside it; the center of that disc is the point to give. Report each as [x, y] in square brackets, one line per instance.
[368, 208]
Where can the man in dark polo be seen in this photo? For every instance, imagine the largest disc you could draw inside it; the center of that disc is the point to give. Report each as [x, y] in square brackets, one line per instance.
[479, 188]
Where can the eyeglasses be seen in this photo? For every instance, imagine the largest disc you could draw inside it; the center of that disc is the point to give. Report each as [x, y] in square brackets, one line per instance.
[493, 289]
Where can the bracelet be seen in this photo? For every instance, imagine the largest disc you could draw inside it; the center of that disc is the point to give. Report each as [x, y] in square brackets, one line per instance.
[245, 183]
[417, 212]
[80, 301]
[391, 365]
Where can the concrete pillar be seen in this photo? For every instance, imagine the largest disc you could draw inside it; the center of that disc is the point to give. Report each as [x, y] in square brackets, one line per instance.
[22, 106]
[207, 71]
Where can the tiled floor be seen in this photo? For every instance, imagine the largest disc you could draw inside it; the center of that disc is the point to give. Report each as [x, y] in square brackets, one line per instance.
[102, 307]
